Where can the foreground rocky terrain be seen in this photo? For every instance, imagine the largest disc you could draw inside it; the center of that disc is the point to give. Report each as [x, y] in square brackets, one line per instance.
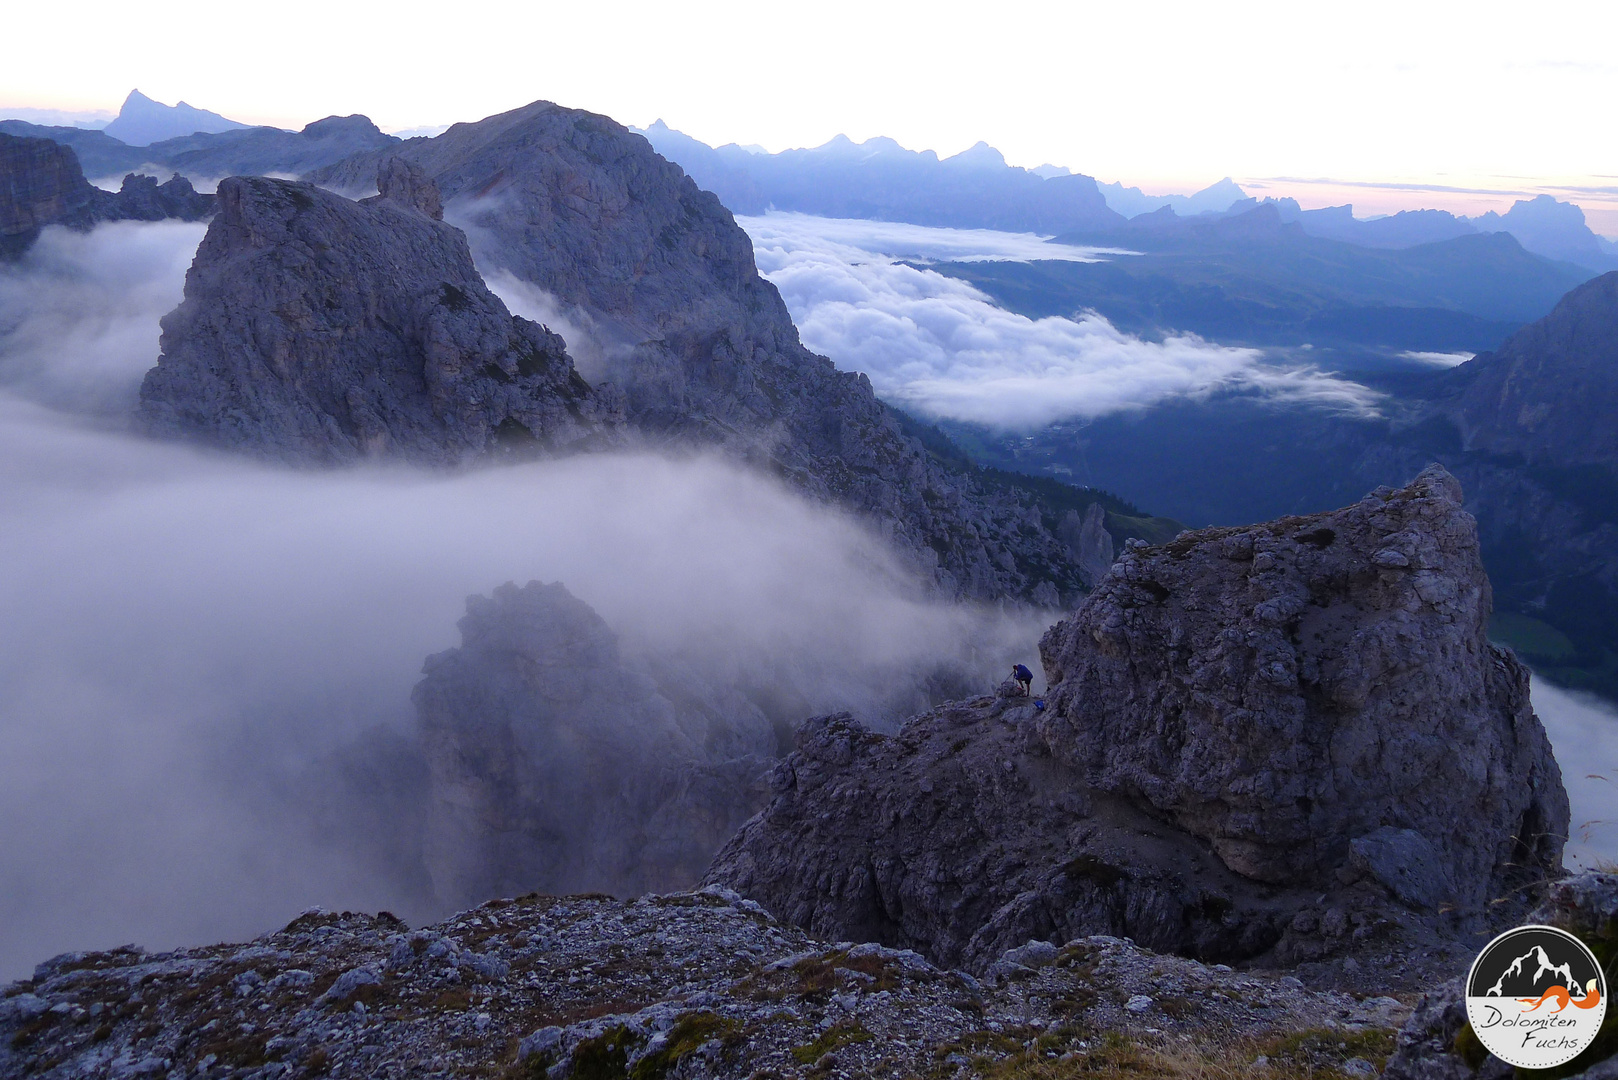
[689, 984]
[42, 184]
[1256, 742]
[316, 329]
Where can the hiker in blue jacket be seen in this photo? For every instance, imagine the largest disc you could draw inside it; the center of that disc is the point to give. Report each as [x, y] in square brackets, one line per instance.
[1025, 679]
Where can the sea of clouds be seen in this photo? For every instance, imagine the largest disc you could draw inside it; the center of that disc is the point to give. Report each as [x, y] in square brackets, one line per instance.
[939, 347]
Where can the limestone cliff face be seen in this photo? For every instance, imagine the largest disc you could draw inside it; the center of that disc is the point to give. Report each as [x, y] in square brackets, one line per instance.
[319, 330]
[1238, 722]
[42, 184]
[1088, 541]
[1550, 393]
[703, 347]
[558, 764]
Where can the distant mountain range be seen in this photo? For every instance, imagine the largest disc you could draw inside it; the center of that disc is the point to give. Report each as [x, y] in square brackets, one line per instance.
[143, 121]
[1213, 199]
[214, 154]
[1525, 427]
[879, 179]
[1542, 225]
[1253, 278]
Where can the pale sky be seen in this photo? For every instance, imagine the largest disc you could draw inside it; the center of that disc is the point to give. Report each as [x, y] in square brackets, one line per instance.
[1490, 96]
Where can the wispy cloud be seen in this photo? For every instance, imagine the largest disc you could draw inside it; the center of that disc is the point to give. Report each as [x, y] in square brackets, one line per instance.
[1438, 359]
[935, 345]
[921, 243]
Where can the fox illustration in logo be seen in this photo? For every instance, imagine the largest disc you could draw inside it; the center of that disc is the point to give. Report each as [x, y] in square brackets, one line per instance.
[1559, 994]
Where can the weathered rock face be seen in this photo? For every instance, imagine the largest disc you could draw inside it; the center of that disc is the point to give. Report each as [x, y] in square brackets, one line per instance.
[1549, 394]
[319, 330]
[1284, 690]
[558, 764]
[1088, 541]
[703, 346]
[41, 184]
[1238, 722]
[962, 837]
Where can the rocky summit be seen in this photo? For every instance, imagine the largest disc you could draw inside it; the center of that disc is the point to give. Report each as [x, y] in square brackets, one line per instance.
[1277, 741]
[699, 984]
[316, 329]
[661, 276]
[560, 763]
[42, 184]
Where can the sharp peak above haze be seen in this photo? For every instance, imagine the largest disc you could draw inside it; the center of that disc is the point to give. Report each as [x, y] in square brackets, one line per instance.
[142, 121]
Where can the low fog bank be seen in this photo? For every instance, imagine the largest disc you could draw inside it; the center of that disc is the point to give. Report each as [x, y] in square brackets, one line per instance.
[1584, 733]
[939, 347]
[79, 312]
[206, 665]
[196, 648]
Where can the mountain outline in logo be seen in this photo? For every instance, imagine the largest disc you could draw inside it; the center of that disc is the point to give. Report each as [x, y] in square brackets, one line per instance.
[1536, 997]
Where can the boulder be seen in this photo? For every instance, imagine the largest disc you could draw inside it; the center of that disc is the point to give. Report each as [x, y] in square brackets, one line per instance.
[1284, 690]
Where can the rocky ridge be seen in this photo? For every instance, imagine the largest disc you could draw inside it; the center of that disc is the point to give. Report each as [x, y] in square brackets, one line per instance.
[317, 329]
[1548, 395]
[558, 763]
[703, 346]
[690, 984]
[1275, 741]
[42, 184]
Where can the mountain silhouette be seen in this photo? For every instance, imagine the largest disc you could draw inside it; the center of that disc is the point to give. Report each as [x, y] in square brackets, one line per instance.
[1512, 977]
[1530, 960]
